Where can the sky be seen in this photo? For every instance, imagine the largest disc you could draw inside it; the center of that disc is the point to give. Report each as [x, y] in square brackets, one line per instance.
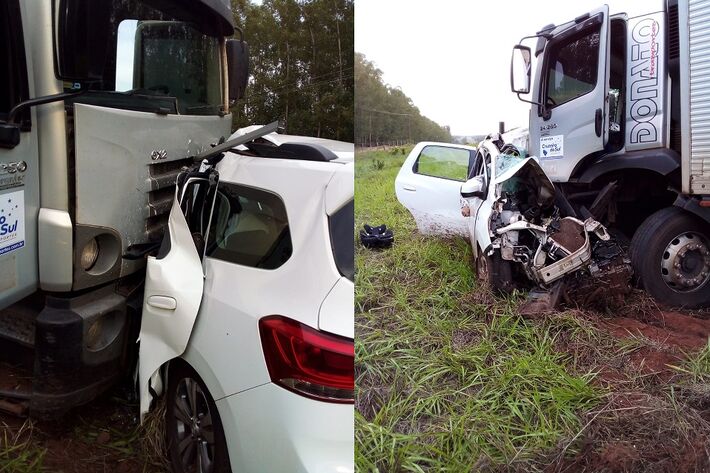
[452, 57]
[124, 54]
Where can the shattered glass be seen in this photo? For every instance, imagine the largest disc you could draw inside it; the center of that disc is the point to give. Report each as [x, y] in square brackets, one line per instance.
[508, 160]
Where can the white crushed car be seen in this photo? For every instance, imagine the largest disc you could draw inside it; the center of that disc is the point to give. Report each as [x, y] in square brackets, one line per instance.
[521, 232]
[247, 327]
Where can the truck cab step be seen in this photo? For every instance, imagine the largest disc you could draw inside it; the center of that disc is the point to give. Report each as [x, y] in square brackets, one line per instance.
[17, 323]
[16, 408]
[15, 389]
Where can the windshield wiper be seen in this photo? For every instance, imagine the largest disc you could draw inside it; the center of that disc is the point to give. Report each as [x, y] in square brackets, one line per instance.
[240, 140]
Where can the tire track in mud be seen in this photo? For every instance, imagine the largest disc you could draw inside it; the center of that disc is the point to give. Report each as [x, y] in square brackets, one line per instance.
[654, 416]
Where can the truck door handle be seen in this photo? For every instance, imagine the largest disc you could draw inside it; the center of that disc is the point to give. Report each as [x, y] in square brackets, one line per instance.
[598, 122]
[162, 302]
[409, 188]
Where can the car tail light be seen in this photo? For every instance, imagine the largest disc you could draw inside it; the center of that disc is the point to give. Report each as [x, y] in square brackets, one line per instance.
[311, 363]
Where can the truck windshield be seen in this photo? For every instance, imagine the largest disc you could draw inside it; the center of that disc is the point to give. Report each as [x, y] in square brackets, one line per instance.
[169, 59]
[156, 54]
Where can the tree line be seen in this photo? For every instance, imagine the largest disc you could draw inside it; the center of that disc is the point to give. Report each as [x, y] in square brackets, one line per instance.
[384, 115]
[301, 66]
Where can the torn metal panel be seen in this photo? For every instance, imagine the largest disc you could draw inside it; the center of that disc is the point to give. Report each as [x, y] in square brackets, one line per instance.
[564, 257]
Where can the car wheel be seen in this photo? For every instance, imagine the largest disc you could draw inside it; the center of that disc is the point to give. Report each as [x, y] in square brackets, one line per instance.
[670, 254]
[194, 433]
[494, 272]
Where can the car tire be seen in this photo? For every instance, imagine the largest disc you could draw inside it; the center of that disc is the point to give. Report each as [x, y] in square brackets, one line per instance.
[194, 431]
[670, 255]
[494, 272]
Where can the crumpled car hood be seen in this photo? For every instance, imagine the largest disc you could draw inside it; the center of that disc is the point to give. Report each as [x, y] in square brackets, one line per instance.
[508, 166]
[513, 173]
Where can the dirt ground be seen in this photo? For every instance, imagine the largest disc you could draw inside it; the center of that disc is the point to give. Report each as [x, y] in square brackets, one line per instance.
[102, 436]
[640, 423]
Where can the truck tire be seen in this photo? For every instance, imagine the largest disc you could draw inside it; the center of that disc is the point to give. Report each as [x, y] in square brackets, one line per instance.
[193, 427]
[494, 272]
[670, 254]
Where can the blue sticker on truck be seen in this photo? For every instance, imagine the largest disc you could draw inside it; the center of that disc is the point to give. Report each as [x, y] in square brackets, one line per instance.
[12, 221]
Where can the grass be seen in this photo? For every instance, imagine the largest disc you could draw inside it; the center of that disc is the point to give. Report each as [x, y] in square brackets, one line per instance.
[103, 432]
[450, 378]
[18, 453]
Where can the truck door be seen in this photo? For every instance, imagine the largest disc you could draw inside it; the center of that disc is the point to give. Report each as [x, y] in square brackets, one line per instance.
[429, 186]
[572, 120]
[19, 165]
[174, 283]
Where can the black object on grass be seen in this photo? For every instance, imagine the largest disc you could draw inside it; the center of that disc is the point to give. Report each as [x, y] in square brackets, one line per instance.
[376, 237]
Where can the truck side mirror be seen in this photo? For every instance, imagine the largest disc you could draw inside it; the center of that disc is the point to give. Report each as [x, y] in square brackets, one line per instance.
[474, 187]
[237, 67]
[82, 39]
[520, 69]
[9, 135]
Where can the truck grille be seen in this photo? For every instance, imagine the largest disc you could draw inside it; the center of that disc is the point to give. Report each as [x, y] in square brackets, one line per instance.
[160, 197]
[673, 32]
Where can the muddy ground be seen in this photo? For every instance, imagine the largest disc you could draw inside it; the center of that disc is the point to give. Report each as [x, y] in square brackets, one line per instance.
[103, 436]
[639, 422]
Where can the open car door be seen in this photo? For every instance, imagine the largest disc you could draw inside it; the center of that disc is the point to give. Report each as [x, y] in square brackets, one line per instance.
[429, 186]
[174, 282]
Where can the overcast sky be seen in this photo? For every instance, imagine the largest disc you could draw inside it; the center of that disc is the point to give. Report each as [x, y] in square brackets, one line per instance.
[452, 57]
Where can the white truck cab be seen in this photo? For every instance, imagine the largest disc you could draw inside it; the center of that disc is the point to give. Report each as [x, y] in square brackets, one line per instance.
[618, 122]
[101, 105]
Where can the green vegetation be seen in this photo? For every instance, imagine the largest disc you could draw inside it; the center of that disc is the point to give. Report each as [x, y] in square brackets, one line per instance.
[301, 66]
[450, 378]
[17, 453]
[446, 380]
[104, 432]
[448, 163]
[384, 115]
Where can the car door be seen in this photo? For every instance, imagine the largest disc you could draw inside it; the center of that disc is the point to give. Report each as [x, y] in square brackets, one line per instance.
[174, 282]
[572, 120]
[429, 186]
[479, 208]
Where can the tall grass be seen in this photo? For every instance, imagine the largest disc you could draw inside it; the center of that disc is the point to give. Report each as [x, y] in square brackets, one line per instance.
[449, 378]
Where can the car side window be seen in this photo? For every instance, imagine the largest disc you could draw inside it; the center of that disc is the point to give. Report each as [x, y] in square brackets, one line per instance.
[443, 162]
[572, 67]
[479, 167]
[249, 227]
[196, 202]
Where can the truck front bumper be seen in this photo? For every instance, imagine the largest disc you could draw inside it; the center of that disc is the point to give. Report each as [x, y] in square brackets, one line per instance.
[81, 347]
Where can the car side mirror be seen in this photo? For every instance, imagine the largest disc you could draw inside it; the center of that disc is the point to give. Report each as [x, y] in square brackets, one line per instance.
[474, 187]
[238, 67]
[520, 69]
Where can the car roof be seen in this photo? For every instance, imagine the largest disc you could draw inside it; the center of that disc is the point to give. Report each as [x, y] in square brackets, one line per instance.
[343, 150]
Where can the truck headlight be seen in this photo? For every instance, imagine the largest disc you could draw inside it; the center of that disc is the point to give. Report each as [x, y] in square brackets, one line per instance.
[89, 254]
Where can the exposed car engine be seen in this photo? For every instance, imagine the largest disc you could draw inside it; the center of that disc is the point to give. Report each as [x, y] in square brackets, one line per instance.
[567, 259]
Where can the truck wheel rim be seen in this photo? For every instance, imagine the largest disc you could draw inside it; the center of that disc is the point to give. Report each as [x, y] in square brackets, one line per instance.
[195, 432]
[685, 263]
